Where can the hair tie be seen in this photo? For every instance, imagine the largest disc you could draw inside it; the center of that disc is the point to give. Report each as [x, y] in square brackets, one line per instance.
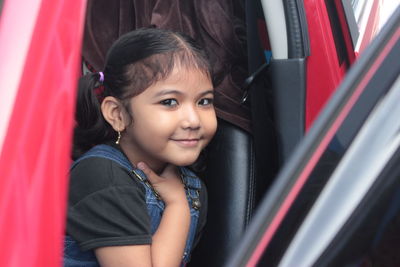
[101, 79]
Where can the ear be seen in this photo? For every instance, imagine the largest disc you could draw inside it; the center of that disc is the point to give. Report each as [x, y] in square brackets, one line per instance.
[114, 113]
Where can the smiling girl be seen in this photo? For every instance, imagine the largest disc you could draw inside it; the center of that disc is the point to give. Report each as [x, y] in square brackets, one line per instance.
[132, 201]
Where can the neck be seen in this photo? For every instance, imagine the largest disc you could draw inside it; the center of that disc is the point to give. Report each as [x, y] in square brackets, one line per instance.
[156, 166]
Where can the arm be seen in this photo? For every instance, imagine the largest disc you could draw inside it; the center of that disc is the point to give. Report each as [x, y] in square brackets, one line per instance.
[124, 256]
[170, 238]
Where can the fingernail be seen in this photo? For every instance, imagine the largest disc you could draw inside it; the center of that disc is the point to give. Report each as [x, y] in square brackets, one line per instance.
[141, 166]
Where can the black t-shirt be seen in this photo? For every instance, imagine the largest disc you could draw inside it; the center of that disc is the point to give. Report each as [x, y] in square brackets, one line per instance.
[107, 206]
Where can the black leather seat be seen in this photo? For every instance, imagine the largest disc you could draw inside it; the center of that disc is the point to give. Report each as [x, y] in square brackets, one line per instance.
[234, 189]
[230, 164]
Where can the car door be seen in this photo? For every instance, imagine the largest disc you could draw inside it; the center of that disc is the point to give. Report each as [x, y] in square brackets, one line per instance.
[40, 52]
[336, 201]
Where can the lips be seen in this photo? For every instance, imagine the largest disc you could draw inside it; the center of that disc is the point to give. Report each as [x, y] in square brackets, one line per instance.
[187, 142]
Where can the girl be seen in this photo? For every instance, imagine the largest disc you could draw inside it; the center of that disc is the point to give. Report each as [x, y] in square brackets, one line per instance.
[131, 201]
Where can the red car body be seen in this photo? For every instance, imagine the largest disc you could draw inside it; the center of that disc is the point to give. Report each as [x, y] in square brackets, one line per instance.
[37, 128]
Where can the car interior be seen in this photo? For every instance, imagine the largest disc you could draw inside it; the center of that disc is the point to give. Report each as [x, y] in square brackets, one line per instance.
[262, 92]
[260, 78]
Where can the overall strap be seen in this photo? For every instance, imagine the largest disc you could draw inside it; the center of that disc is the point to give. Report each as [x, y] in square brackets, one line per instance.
[193, 186]
[108, 152]
[111, 153]
[190, 179]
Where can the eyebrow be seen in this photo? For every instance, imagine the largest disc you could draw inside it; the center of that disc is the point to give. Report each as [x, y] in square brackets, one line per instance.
[211, 91]
[168, 92]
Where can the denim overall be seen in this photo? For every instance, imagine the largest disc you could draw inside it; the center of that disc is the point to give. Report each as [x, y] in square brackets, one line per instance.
[74, 257]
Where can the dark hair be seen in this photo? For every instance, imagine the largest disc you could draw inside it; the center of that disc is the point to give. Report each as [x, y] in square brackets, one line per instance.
[134, 62]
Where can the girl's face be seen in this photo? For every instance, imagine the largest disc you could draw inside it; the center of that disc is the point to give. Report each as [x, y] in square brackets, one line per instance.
[173, 120]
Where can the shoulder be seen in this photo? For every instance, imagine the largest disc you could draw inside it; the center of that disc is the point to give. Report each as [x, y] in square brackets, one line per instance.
[96, 174]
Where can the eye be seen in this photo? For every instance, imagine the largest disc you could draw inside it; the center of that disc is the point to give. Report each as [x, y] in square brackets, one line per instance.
[169, 102]
[206, 101]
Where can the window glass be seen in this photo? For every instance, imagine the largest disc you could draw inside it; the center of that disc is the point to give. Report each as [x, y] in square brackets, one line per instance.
[373, 92]
[366, 18]
[372, 236]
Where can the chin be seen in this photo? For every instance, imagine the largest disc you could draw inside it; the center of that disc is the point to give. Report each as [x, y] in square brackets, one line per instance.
[184, 161]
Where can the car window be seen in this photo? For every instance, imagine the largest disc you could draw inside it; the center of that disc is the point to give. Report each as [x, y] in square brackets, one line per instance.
[358, 189]
[285, 230]
[367, 98]
[372, 235]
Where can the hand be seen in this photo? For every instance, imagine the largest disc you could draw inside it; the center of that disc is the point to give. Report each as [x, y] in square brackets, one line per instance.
[168, 184]
[170, 238]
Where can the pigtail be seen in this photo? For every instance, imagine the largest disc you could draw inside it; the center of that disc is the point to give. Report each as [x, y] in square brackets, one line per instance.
[91, 128]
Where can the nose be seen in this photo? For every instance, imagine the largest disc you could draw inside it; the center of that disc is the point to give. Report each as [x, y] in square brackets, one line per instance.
[190, 118]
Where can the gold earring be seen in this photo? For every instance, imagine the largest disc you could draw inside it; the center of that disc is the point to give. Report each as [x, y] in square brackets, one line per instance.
[119, 138]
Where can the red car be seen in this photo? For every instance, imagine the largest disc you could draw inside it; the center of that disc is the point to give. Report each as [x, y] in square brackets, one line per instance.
[280, 191]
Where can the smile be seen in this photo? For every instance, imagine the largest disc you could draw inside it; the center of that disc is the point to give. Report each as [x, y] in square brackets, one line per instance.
[187, 142]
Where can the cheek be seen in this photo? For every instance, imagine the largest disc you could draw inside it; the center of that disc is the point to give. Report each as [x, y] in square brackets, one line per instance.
[210, 125]
[154, 124]
[148, 137]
